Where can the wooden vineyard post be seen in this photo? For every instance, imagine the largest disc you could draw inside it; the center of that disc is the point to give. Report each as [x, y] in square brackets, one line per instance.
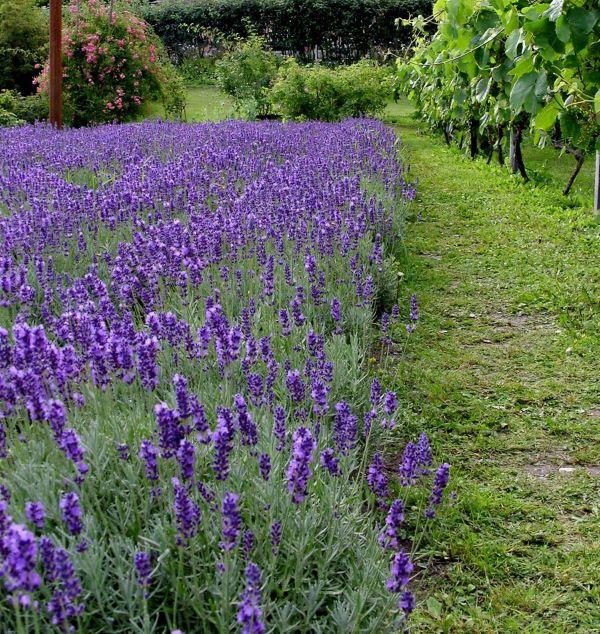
[55, 80]
[597, 187]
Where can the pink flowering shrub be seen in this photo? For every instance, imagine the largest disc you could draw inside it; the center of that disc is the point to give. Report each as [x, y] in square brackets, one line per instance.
[112, 64]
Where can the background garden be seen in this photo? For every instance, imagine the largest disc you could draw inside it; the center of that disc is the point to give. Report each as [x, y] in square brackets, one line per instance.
[286, 264]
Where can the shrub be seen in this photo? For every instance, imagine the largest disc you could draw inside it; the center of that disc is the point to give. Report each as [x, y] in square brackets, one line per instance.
[112, 64]
[23, 43]
[197, 63]
[7, 117]
[26, 109]
[326, 94]
[246, 73]
[336, 30]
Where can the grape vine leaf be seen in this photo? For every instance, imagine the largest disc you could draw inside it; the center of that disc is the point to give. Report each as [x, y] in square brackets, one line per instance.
[527, 92]
[547, 116]
[563, 30]
[581, 23]
[482, 90]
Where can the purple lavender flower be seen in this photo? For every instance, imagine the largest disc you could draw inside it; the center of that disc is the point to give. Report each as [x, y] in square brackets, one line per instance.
[414, 314]
[385, 322]
[264, 465]
[60, 574]
[299, 472]
[368, 419]
[409, 466]
[319, 397]
[284, 322]
[275, 537]
[56, 414]
[295, 386]
[296, 309]
[223, 443]
[182, 396]
[5, 351]
[414, 308]
[71, 512]
[246, 425]
[123, 450]
[169, 430]
[407, 602]
[71, 445]
[255, 388]
[389, 537]
[18, 569]
[247, 543]
[36, 514]
[147, 367]
[250, 613]
[376, 478]
[329, 461]
[279, 427]
[232, 521]
[336, 309]
[5, 521]
[390, 403]
[143, 566]
[186, 457]
[400, 570]
[423, 454]
[149, 454]
[187, 513]
[375, 392]
[344, 431]
[439, 484]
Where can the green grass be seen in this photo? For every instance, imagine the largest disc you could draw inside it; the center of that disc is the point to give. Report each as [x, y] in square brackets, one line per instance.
[504, 374]
[204, 103]
[545, 166]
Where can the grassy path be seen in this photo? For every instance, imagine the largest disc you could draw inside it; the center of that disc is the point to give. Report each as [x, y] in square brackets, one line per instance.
[504, 372]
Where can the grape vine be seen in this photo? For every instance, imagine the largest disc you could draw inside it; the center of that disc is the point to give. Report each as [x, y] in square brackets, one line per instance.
[495, 70]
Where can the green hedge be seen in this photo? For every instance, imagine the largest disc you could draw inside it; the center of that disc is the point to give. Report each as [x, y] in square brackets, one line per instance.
[333, 30]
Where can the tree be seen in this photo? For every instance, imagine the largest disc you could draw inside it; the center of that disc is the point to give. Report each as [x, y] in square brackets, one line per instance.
[23, 43]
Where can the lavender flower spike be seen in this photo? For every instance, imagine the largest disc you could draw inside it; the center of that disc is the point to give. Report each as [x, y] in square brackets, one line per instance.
[250, 612]
[439, 484]
[299, 472]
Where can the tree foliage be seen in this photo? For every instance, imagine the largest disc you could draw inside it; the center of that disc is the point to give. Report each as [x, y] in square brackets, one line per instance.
[496, 66]
[246, 72]
[23, 43]
[341, 30]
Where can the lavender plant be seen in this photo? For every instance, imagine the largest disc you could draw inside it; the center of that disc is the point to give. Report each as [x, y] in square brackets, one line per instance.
[188, 434]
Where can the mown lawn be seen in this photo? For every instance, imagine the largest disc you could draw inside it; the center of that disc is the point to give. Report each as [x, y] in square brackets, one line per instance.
[204, 103]
[504, 373]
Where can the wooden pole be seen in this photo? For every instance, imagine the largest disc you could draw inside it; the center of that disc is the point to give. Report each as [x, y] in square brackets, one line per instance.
[597, 188]
[55, 85]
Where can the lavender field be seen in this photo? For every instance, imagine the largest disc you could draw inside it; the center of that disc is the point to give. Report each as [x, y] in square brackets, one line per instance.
[189, 436]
